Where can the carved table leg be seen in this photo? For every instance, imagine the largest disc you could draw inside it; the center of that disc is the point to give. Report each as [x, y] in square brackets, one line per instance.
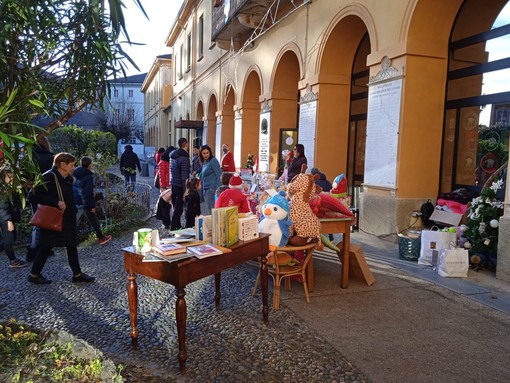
[217, 294]
[180, 310]
[346, 240]
[132, 288]
[263, 286]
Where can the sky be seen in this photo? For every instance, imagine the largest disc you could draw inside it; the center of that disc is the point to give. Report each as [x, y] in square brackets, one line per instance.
[152, 32]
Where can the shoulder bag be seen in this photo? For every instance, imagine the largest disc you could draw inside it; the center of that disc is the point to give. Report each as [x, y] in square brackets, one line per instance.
[49, 217]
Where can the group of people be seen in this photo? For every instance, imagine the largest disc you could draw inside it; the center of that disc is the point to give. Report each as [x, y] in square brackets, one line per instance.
[64, 187]
[191, 182]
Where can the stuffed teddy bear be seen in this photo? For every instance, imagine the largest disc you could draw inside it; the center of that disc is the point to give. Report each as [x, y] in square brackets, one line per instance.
[275, 220]
[305, 224]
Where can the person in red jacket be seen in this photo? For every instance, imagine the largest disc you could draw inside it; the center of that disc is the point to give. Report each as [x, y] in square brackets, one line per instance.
[233, 196]
[227, 160]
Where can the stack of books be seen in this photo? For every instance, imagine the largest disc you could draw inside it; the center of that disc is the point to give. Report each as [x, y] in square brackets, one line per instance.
[167, 249]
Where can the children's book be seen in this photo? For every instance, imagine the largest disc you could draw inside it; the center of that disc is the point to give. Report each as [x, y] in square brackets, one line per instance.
[169, 248]
[225, 230]
[204, 251]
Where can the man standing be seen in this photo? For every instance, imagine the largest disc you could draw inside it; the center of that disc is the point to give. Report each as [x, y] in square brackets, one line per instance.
[180, 172]
[195, 163]
[227, 160]
[129, 162]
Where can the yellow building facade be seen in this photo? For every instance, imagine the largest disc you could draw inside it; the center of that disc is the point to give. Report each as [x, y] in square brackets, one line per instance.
[391, 93]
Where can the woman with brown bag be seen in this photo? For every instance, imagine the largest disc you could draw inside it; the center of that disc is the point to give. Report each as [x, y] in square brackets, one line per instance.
[48, 194]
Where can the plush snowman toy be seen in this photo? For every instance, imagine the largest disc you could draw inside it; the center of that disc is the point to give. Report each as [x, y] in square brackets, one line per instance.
[275, 220]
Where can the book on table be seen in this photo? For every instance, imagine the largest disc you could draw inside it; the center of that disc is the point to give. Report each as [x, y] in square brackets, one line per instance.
[169, 248]
[204, 251]
[225, 230]
[156, 257]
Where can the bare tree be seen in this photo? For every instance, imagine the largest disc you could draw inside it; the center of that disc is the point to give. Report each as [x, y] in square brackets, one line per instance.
[123, 119]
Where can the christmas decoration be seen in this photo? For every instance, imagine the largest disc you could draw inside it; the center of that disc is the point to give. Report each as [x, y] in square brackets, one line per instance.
[249, 162]
[483, 221]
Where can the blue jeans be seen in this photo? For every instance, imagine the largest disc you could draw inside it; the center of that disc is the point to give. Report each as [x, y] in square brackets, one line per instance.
[209, 196]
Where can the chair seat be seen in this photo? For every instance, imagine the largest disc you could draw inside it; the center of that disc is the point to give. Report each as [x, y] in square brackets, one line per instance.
[278, 271]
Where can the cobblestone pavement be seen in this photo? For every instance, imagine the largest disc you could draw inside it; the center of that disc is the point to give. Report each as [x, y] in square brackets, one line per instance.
[229, 345]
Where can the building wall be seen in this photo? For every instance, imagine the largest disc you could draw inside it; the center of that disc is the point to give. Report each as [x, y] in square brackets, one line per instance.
[309, 56]
[157, 91]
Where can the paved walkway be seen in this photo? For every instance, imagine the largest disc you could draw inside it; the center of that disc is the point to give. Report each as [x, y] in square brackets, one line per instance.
[410, 326]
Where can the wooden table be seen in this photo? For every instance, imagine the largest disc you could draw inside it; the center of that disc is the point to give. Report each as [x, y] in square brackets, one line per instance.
[343, 226]
[183, 272]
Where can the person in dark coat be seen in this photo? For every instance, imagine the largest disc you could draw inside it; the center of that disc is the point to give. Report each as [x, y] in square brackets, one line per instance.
[10, 214]
[297, 162]
[83, 189]
[179, 173]
[43, 157]
[129, 162]
[192, 201]
[47, 194]
[322, 181]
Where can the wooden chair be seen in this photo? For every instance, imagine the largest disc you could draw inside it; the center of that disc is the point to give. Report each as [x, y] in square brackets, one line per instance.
[278, 271]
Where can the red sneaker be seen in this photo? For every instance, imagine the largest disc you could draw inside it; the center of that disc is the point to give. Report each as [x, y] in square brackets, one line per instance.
[107, 238]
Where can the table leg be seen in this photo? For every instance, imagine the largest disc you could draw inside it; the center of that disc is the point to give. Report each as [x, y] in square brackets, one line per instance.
[217, 294]
[132, 289]
[346, 241]
[263, 286]
[180, 316]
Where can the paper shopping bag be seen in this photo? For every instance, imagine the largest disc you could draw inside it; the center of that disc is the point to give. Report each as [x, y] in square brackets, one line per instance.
[434, 240]
[453, 263]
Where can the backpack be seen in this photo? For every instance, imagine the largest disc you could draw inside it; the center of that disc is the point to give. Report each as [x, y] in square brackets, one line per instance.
[426, 211]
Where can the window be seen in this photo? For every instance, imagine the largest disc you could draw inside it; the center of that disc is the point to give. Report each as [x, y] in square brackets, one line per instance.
[130, 93]
[188, 54]
[116, 93]
[181, 53]
[201, 37]
[131, 114]
[116, 113]
[477, 110]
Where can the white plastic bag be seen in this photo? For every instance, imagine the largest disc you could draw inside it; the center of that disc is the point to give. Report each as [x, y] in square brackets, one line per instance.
[434, 240]
[453, 263]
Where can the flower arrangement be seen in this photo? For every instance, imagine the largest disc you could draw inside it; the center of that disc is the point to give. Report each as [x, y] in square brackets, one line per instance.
[482, 222]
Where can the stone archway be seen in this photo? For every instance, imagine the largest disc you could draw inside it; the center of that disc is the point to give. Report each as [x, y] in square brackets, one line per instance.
[210, 138]
[342, 104]
[283, 102]
[250, 113]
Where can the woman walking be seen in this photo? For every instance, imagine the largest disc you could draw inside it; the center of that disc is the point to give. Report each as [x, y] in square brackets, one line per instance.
[10, 214]
[47, 194]
[210, 176]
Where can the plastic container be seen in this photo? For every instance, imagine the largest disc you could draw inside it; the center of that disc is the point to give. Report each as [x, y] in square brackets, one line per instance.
[409, 245]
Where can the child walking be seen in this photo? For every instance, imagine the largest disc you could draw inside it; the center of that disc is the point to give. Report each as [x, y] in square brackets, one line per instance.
[192, 201]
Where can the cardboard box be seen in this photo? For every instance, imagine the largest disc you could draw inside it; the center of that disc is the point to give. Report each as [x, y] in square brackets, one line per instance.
[446, 217]
[248, 228]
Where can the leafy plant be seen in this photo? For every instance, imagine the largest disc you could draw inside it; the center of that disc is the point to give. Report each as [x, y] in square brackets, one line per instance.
[26, 356]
